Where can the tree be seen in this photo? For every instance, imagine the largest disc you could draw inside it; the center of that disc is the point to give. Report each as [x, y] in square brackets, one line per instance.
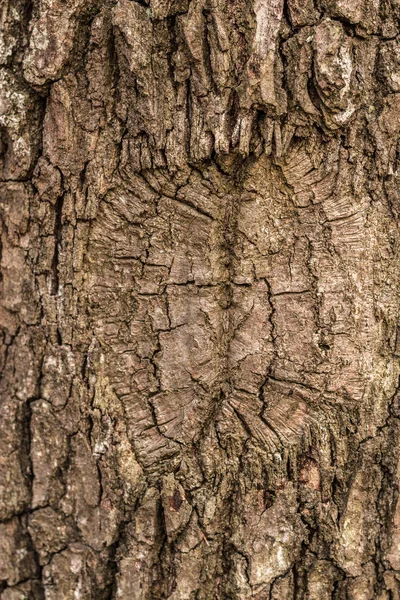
[200, 311]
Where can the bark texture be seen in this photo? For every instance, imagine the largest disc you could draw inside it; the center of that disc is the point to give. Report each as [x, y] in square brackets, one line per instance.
[200, 299]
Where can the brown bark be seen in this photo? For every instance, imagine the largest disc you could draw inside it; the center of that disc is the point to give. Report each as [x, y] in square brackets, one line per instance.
[200, 300]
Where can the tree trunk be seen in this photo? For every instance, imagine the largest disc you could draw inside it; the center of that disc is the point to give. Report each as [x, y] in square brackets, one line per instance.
[200, 300]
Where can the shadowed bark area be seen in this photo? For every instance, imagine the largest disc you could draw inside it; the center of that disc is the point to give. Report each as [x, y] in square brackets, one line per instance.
[199, 300]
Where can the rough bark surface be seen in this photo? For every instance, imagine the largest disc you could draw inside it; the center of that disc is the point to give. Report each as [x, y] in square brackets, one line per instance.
[200, 299]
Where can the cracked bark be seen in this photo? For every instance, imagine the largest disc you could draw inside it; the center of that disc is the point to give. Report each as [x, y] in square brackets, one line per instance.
[199, 300]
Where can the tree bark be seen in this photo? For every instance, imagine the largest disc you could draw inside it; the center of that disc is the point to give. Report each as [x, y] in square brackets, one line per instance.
[200, 299]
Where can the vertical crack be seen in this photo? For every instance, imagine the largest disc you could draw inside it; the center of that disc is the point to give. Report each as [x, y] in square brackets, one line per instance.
[58, 210]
